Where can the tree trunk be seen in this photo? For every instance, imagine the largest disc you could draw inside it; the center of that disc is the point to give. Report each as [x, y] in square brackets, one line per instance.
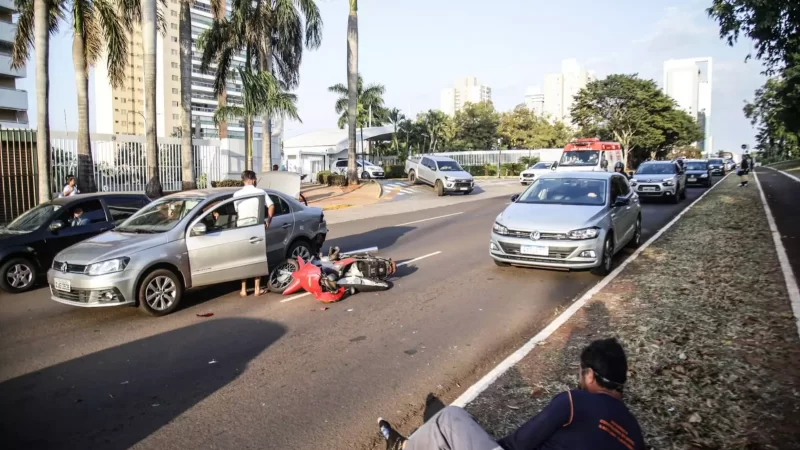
[248, 143]
[352, 92]
[154, 188]
[265, 64]
[86, 182]
[187, 149]
[42, 43]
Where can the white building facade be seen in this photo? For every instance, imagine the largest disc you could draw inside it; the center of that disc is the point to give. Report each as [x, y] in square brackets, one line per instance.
[560, 89]
[13, 101]
[465, 90]
[534, 100]
[688, 82]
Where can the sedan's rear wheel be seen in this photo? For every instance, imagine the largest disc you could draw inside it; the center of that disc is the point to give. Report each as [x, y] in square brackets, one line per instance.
[636, 240]
[160, 293]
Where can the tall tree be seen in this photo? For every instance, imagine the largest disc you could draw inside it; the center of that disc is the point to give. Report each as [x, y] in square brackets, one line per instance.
[370, 98]
[187, 148]
[352, 92]
[767, 112]
[261, 94]
[395, 118]
[432, 124]
[149, 30]
[522, 128]
[475, 127]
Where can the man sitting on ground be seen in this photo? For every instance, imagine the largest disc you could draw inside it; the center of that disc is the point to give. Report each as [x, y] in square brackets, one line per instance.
[593, 416]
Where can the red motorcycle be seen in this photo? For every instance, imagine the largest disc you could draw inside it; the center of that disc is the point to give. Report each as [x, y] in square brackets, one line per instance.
[330, 279]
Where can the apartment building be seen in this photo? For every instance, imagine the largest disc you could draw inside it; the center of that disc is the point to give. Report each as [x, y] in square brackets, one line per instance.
[465, 90]
[13, 101]
[688, 82]
[534, 100]
[121, 110]
[560, 89]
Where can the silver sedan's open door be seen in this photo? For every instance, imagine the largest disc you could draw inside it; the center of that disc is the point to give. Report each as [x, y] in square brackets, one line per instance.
[287, 183]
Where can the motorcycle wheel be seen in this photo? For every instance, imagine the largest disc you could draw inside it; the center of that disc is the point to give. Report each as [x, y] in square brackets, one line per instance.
[281, 276]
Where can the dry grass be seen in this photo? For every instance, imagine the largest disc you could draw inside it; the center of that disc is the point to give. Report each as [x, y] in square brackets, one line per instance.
[705, 319]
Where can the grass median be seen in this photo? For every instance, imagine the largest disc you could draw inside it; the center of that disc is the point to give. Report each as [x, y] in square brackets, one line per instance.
[703, 313]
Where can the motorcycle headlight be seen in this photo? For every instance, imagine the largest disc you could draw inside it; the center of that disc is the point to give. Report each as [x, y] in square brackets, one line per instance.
[669, 183]
[107, 267]
[500, 229]
[584, 233]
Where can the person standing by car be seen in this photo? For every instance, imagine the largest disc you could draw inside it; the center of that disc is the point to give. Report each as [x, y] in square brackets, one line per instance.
[247, 214]
[70, 188]
[744, 169]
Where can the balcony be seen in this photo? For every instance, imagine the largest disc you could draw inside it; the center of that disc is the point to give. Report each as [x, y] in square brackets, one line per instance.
[13, 99]
[7, 70]
[7, 32]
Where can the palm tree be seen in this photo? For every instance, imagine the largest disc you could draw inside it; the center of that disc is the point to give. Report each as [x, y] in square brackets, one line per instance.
[261, 94]
[369, 107]
[395, 118]
[352, 93]
[37, 20]
[433, 123]
[185, 42]
[149, 30]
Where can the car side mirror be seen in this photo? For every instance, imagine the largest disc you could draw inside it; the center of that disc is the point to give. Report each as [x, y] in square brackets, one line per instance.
[554, 167]
[56, 225]
[199, 229]
[622, 201]
[514, 197]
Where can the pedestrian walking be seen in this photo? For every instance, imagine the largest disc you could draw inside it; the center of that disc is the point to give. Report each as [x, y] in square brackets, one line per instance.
[744, 169]
[70, 188]
[247, 215]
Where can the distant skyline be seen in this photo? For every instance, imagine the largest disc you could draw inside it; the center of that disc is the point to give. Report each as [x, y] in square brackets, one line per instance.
[503, 46]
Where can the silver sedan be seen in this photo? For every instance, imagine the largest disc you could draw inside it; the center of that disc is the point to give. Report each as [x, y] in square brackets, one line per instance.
[569, 220]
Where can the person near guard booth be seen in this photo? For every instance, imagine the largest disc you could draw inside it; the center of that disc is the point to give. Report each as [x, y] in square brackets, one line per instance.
[247, 212]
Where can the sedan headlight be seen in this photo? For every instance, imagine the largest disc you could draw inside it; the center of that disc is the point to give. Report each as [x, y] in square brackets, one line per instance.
[500, 229]
[669, 182]
[107, 267]
[584, 233]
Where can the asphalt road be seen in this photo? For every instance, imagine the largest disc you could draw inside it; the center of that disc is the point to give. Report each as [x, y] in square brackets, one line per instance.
[782, 193]
[266, 373]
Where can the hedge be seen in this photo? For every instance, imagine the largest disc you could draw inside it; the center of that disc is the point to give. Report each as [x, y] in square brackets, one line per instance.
[337, 180]
[322, 176]
[227, 183]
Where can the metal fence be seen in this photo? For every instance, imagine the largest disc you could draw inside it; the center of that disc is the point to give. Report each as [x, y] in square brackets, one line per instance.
[484, 157]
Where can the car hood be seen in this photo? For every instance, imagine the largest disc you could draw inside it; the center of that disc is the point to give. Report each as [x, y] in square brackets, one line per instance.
[550, 218]
[643, 178]
[110, 245]
[537, 172]
[8, 237]
[460, 174]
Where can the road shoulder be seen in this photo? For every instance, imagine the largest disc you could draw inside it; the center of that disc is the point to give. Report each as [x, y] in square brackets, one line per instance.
[705, 318]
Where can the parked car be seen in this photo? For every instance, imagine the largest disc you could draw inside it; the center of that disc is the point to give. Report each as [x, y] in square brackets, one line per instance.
[29, 243]
[698, 172]
[528, 175]
[366, 169]
[568, 220]
[444, 174]
[717, 166]
[660, 179]
[183, 241]
[730, 165]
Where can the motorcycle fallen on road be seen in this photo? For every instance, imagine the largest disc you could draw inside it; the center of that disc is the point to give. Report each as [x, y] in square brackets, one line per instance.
[330, 278]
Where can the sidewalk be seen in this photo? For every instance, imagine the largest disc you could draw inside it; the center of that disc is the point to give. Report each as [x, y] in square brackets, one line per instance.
[704, 315]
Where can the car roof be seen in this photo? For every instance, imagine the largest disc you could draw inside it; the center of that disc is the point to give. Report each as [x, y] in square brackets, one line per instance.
[81, 197]
[213, 193]
[581, 175]
[696, 160]
[438, 158]
[658, 162]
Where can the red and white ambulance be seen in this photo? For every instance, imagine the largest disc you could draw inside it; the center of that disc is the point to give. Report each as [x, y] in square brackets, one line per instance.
[590, 155]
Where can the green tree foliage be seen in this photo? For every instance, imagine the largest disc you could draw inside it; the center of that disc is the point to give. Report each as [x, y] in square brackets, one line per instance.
[475, 127]
[370, 98]
[766, 112]
[522, 128]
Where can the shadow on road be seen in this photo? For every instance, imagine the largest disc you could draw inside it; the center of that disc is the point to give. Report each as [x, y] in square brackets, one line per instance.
[114, 398]
[381, 238]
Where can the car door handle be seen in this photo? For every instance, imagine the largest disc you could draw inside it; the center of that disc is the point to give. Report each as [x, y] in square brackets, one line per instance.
[255, 240]
[286, 225]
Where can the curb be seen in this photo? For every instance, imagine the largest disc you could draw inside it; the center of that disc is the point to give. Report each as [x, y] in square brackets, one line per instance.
[484, 383]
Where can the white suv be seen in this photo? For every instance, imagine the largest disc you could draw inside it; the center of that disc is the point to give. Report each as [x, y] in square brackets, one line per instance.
[366, 169]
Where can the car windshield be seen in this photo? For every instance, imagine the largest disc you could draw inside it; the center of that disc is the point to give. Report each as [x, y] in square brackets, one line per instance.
[715, 161]
[656, 169]
[160, 216]
[580, 158]
[540, 166]
[565, 191]
[696, 166]
[448, 166]
[34, 218]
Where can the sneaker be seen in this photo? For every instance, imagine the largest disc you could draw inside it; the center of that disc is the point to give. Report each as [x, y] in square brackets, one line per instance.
[394, 441]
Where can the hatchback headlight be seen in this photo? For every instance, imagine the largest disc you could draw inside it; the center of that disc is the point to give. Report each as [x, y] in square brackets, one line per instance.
[107, 267]
[500, 229]
[584, 233]
[669, 183]
[705, 175]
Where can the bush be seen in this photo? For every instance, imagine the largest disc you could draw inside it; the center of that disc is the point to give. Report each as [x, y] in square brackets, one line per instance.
[337, 180]
[394, 171]
[486, 170]
[227, 183]
[322, 176]
[512, 169]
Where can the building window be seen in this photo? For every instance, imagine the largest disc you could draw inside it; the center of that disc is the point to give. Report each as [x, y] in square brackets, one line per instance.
[174, 39]
[174, 13]
[174, 103]
[175, 117]
[174, 65]
[174, 78]
[174, 51]
[174, 90]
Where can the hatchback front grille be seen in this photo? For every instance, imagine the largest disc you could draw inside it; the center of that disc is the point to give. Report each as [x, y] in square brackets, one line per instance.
[553, 252]
[542, 237]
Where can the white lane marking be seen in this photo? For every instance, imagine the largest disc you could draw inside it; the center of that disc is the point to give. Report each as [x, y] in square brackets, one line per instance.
[430, 218]
[783, 259]
[482, 384]
[406, 191]
[401, 193]
[404, 263]
[785, 173]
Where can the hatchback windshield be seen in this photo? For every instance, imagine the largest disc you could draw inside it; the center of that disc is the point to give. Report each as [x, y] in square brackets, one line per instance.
[540, 165]
[449, 166]
[159, 216]
[696, 166]
[580, 158]
[566, 191]
[33, 218]
[656, 169]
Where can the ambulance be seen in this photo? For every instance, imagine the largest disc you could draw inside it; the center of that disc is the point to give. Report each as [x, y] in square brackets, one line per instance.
[590, 155]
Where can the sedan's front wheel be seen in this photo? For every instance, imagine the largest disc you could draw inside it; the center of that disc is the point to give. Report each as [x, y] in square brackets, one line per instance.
[17, 275]
[160, 293]
[607, 258]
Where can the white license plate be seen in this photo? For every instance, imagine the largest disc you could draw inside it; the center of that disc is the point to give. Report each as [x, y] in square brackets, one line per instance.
[692, 179]
[463, 189]
[62, 285]
[535, 250]
[648, 188]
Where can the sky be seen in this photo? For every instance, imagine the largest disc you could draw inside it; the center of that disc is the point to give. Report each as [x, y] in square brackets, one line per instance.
[415, 48]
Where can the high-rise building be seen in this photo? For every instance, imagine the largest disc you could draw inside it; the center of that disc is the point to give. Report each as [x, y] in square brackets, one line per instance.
[560, 89]
[465, 90]
[534, 100]
[688, 82]
[13, 101]
[121, 110]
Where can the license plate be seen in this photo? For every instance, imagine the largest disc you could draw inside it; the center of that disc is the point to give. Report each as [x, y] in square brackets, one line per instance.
[62, 285]
[463, 189]
[648, 188]
[692, 179]
[535, 250]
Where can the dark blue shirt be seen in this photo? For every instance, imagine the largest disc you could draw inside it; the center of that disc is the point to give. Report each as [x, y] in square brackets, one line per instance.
[579, 420]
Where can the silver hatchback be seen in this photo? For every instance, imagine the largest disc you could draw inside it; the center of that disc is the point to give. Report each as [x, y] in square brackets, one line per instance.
[182, 241]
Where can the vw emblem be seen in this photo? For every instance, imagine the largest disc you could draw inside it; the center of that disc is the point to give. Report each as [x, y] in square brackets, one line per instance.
[536, 235]
[64, 267]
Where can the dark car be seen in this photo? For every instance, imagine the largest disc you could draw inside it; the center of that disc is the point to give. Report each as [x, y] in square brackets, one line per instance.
[717, 166]
[29, 243]
[698, 172]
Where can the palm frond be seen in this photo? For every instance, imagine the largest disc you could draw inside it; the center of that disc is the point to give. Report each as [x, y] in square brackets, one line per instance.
[130, 13]
[313, 22]
[338, 88]
[115, 40]
[24, 38]
[228, 113]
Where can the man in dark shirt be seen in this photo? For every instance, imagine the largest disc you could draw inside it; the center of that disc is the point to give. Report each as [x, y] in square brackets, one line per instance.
[592, 417]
